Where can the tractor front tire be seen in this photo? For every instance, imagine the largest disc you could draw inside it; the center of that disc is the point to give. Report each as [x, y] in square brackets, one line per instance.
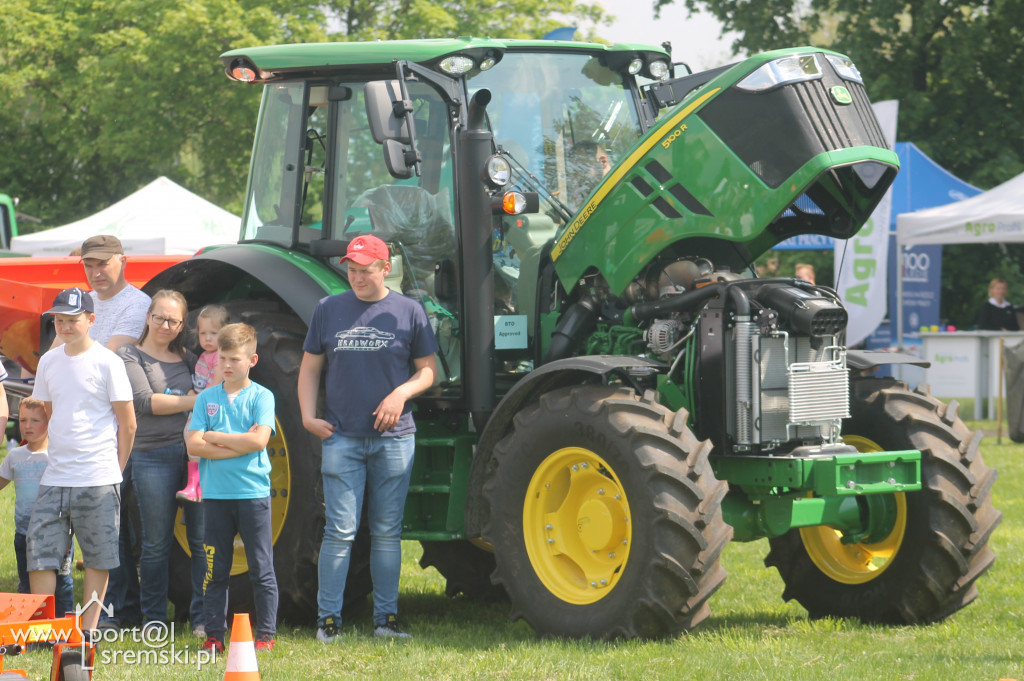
[925, 567]
[605, 516]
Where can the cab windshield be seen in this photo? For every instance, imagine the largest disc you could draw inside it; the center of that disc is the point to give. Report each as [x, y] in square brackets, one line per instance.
[565, 118]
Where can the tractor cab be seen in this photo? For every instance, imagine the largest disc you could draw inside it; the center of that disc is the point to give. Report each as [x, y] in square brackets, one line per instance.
[375, 148]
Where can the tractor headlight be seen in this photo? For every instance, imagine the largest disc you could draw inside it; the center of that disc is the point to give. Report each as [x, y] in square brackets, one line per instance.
[658, 70]
[499, 172]
[457, 64]
[635, 65]
[845, 67]
[783, 71]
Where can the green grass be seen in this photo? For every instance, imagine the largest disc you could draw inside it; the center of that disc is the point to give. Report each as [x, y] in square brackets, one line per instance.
[752, 633]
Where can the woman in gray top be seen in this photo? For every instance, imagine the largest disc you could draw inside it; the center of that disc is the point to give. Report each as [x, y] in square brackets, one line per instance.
[160, 370]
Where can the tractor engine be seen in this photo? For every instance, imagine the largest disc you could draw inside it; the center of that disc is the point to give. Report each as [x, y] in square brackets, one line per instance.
[761, 361]
[785, 373]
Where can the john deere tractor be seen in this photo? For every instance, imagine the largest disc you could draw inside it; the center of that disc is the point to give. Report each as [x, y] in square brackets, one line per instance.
[620, 395]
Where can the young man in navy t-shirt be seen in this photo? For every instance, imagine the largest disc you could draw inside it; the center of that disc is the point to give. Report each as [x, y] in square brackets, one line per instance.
[369, 337]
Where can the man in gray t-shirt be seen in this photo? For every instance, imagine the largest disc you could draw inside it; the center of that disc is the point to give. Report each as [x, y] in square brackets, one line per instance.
[121, 308]
[120, 318]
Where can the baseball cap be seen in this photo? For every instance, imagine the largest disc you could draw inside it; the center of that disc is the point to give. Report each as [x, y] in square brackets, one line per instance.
[102, 247]
[71, 301]
[365, 249]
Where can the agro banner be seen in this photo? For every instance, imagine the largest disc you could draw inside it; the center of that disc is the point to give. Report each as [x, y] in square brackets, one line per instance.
[860, 262]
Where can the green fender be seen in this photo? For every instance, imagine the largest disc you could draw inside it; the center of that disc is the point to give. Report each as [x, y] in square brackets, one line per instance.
[249, 271]
[570, 371]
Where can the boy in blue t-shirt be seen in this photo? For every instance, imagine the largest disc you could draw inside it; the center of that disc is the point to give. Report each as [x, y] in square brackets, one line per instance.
[24, 466]
[231, 426]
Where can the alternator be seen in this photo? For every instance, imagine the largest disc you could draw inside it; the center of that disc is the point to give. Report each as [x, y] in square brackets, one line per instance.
[663, 334]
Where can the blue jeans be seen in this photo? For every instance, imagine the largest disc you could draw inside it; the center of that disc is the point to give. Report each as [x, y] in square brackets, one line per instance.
[157, 475]
[64, 595]
[382, 467]
[251, 520]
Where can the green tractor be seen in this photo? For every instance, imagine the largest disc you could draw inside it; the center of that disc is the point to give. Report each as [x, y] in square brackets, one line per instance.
[619, 395]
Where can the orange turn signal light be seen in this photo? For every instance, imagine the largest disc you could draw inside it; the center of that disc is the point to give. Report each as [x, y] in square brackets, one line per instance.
[513, 203]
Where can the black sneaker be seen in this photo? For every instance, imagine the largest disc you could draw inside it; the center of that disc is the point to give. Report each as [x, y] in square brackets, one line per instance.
[327, 632]
[389, 628]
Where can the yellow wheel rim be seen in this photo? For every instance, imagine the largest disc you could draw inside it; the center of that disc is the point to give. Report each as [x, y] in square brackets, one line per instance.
[280, 492]
[577, 526]
[862, 562]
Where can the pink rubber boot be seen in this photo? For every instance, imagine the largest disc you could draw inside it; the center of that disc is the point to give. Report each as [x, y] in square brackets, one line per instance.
[191, 491]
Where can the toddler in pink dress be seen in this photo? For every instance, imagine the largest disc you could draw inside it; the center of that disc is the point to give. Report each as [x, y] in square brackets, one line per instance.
[209, 322]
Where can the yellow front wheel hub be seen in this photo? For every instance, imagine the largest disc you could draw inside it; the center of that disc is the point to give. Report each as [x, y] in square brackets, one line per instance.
[576, 525]
[861, 562]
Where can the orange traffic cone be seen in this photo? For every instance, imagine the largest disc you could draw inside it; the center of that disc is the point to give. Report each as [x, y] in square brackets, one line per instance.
[241, 652]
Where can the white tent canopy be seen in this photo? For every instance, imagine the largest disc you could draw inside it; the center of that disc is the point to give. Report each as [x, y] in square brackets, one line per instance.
[990, 217]
[161, 218]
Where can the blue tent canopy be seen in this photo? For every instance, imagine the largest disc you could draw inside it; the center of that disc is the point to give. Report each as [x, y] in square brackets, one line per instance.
[923, 183]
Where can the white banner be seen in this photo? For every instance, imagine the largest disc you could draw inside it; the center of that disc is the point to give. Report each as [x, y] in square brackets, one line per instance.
[861, 263]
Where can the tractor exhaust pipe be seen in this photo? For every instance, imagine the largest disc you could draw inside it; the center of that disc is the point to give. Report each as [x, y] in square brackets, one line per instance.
[476, 144]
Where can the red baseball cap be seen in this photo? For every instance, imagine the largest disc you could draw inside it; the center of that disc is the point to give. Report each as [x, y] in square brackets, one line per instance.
[366, 249]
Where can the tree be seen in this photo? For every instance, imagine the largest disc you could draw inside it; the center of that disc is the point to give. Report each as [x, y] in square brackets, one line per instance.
[404, 19]
[102, 96]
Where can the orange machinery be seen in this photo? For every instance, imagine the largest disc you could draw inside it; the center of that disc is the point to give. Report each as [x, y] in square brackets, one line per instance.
[27, 619]
[28, 286]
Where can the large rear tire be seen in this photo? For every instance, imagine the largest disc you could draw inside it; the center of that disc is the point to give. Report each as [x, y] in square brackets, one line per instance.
[923, 564]
[605, 516]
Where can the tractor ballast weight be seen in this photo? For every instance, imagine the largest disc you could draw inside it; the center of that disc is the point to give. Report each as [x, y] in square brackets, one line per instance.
[618, 399]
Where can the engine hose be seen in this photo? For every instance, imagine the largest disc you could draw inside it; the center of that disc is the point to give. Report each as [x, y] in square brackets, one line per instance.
[578, 320]
[692, 299]
[740, 301]
[642, 312]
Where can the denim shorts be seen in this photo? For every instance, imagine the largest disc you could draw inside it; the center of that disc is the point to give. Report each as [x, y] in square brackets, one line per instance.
[93, 513]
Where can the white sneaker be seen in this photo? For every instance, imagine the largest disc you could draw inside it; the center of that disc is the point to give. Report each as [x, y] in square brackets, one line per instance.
[328, 631]
[390, 629]
[199, 632]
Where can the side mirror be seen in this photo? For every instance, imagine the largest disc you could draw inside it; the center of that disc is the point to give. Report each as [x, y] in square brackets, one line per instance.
[399, 159]
[385, 111]
[389, 117]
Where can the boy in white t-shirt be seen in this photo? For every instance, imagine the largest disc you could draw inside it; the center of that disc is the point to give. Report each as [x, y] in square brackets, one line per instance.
[87, 396]
[24, 467]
